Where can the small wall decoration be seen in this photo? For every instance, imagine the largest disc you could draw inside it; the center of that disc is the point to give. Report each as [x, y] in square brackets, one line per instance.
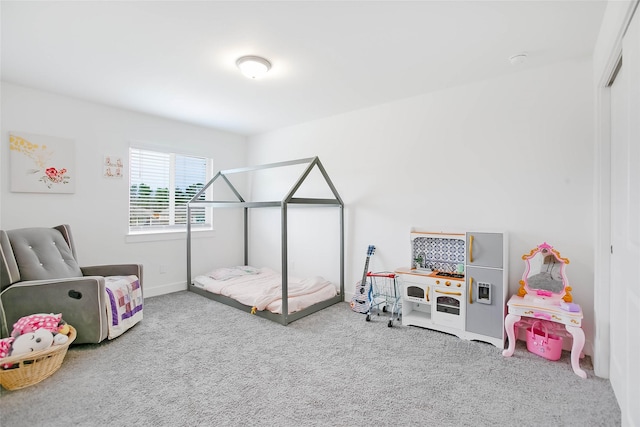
[112, 167]
[42, 164]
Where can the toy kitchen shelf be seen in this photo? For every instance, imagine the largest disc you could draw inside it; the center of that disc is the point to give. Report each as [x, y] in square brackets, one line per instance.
[460, 286]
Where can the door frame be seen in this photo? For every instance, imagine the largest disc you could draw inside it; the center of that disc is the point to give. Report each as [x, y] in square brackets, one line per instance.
[602, 244]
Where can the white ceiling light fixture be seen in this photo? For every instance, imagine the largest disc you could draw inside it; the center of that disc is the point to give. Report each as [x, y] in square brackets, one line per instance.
[518, 58]
[254, 67]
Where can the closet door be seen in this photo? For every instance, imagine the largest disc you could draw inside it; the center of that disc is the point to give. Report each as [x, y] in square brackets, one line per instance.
[625, 229]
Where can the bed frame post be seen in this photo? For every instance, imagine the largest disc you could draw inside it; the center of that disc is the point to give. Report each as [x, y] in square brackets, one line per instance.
[342, 251]
[285, 266]
[188, 245]
[246, 236]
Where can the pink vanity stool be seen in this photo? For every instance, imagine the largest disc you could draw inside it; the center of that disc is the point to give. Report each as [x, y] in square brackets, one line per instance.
[545, 295]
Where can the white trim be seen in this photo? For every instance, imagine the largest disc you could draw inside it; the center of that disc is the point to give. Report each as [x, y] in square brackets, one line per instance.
[167, 235]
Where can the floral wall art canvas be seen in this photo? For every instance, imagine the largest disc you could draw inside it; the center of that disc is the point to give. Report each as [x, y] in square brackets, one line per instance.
[42, 164]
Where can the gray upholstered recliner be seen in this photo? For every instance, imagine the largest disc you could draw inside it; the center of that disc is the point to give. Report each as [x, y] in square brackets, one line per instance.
[40, 274]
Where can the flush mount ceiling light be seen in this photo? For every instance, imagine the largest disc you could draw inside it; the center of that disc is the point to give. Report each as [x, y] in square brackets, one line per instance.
[518, 58]
[253, 67]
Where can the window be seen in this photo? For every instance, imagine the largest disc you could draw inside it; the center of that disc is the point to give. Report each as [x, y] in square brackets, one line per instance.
[160, 185]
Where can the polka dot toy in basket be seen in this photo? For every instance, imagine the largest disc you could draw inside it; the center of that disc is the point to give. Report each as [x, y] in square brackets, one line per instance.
[34, 351]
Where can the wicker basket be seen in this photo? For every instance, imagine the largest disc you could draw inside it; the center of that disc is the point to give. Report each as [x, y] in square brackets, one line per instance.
[34, 367]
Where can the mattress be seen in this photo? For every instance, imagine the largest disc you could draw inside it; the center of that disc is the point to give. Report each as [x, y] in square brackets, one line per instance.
[261, 288]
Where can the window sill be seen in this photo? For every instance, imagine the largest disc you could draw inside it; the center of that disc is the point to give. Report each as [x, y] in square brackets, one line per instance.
[167, 235]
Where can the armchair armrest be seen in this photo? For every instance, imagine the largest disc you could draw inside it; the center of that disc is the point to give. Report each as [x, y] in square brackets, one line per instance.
[81, 300]
[114, 270]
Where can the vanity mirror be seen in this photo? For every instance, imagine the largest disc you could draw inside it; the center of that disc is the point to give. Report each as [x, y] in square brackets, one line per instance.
[544, 275]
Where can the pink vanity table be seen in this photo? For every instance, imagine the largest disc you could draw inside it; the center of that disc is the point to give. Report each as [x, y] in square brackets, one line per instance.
[545, 295]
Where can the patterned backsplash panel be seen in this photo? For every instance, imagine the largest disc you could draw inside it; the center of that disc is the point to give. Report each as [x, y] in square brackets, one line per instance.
[438, 253]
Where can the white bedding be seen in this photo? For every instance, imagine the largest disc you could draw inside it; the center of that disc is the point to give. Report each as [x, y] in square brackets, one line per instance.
[261, 288]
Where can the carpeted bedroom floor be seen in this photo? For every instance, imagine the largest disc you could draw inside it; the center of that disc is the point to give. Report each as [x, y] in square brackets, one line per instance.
[196, 362]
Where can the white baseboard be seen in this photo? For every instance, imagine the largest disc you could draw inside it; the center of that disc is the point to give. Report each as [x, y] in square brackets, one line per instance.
[164, 289]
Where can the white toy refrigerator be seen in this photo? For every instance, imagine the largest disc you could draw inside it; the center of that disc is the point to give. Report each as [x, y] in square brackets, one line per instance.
[487, 285]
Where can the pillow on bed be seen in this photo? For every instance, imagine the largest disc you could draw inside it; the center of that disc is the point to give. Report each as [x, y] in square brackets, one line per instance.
[226, 273]
[248, 269]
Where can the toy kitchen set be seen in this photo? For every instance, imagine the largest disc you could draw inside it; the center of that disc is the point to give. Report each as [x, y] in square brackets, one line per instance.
[457, 284]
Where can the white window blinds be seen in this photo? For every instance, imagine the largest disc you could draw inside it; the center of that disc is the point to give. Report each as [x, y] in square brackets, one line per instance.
[160, 186]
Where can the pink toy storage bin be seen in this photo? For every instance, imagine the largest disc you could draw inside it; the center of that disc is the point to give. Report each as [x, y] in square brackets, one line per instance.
[540, 342]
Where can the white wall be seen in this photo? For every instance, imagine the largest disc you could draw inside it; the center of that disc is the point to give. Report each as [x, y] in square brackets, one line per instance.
[98, 210]
[512, 153]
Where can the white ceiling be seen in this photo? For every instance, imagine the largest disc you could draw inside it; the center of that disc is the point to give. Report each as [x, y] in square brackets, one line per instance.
[176, 59]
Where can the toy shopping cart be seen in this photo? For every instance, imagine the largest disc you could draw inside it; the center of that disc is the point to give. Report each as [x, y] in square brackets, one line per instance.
[384, 295]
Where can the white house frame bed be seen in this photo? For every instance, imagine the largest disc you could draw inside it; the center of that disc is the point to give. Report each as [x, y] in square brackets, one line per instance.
[284, 317]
